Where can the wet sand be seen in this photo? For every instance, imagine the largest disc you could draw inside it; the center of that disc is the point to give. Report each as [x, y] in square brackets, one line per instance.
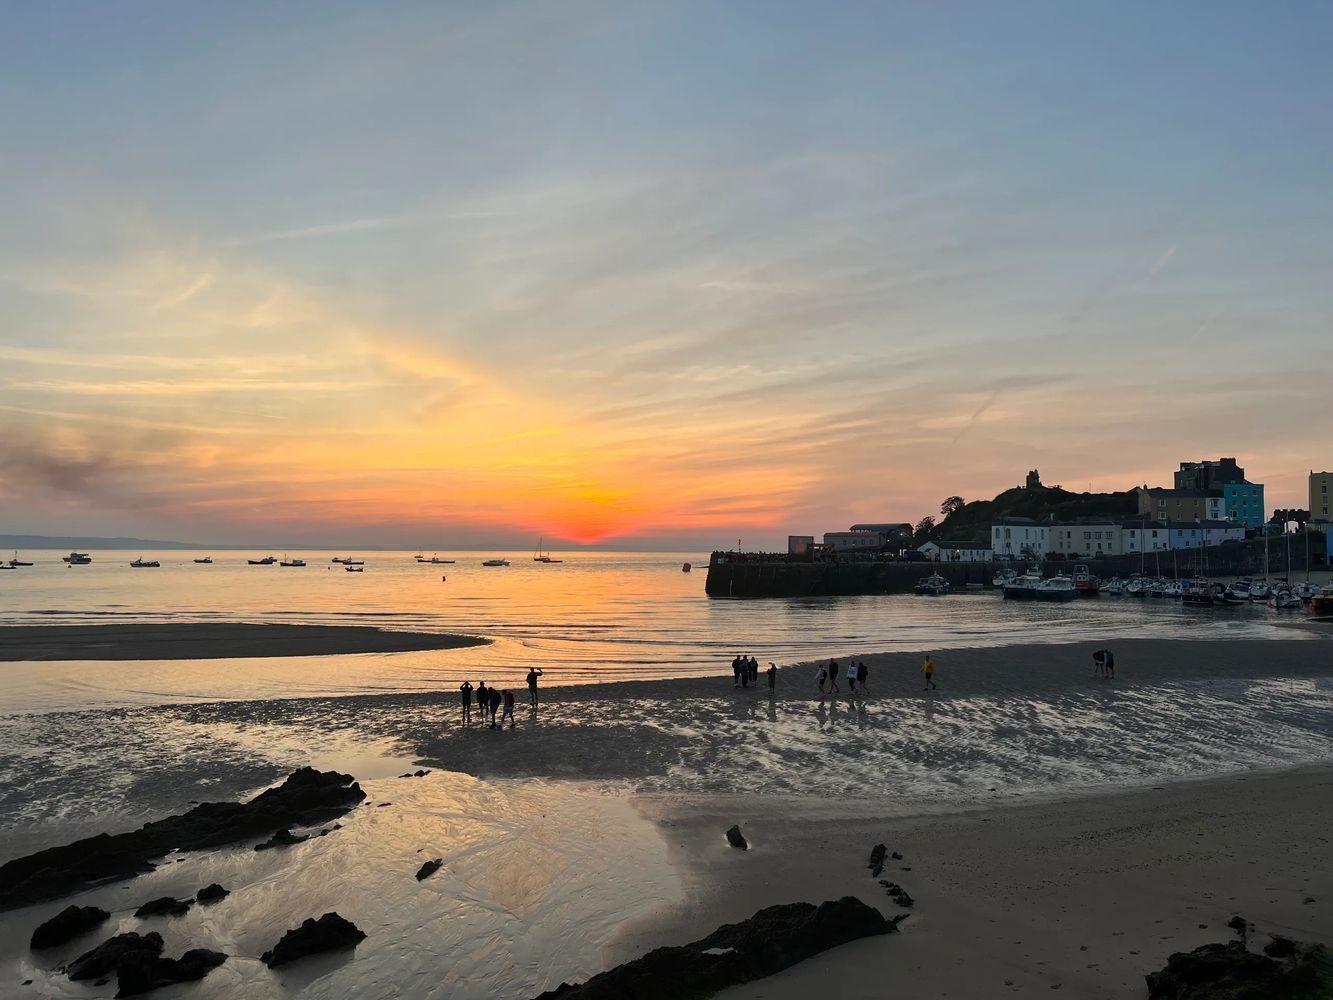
[210, 641]
[1083, 895]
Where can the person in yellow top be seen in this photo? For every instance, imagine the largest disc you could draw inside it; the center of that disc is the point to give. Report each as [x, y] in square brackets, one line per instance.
[928, 670]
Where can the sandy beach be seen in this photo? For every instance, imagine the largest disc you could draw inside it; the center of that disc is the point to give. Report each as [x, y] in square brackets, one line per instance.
[210, 641]
[1059, 830]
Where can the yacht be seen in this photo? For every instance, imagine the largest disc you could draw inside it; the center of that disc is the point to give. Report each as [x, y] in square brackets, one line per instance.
[16, 562]
[1241, 588]
[1114, 587]
[543, 557]
[932, 586]
[1003, 577]
[496, 562]
[1260, 590]
[1200, 593]
[77, 558]
[1136, 587]
[1305, 591]
[1056, 588]
[1284, 599]
[142, 563]
[266, 561]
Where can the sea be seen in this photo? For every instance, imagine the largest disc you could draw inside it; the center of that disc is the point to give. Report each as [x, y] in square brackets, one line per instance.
[595, 616]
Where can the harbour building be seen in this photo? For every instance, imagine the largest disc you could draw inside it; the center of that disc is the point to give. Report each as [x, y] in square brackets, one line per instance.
[1321, 484]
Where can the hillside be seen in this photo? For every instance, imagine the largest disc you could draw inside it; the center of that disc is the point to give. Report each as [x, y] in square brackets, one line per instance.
[973, 521]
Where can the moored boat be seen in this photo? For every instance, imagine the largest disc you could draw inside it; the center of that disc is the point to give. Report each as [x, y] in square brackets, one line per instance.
[291, 562]
[496, 562]
[266, 561]
[354, 569]
[1056, 588]
[206, 561]
[1023, 587]
[1085, 584]
[142, 563]
[1322, 602]
[1004, 577]
[16, 562]
[77, 558]
[932, 586]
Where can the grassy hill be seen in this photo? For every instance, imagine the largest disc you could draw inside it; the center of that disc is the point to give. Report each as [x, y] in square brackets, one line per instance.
[972, 522]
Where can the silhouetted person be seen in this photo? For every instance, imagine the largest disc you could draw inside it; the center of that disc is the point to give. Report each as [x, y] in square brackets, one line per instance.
[851, 677]
[466, 692]
[1099, 663]
[483, 698]
[533, 674]
[754, 671]
[745, 672]
[772, 672]
[928, 671]
[1110, 663]
[509, 709]
[736, 671]
[862, 672]
[496, 698]
[821, 677]
[833, 669]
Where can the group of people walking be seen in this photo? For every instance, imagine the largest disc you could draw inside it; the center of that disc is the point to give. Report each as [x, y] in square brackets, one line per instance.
[745, 671]
[490, 699]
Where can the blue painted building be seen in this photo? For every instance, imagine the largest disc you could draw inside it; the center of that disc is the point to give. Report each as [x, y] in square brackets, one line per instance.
[1245, 503]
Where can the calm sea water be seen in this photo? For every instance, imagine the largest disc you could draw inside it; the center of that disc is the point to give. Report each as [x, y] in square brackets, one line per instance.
[596, 616]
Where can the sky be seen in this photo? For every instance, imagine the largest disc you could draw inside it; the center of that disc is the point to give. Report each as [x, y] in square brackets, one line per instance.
[650, 274]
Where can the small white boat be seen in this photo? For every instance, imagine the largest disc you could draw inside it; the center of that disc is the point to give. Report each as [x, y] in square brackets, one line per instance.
[1004, 577]
[496, 562]
[1305, 591]
[142, 563]
[77, 558]
[1284, 599]
[1260, 590]
[1114, 587]
[206, 561]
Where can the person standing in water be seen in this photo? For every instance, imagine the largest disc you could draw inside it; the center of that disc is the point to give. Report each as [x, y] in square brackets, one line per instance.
[533, 674]
[466, 692]
[928, 671]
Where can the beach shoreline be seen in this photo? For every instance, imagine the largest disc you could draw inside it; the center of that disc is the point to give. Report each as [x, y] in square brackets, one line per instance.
[1084, 894]
[211, 641]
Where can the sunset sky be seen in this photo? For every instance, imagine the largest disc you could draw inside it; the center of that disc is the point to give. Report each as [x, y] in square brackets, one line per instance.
[650, 273]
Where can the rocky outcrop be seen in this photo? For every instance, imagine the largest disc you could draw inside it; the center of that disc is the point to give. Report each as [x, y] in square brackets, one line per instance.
[103, 959]
[737, 839]
[305, 798]
[329, 933]
[877, 855]
[211, 894]
[283, 838]
[1232, 972]
[66, 925]
[775, 938]
[165, 906]
[429, 868]
[141, 971]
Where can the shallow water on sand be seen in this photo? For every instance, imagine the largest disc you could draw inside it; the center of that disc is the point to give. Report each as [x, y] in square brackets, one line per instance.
[597, 616]
[537, 879]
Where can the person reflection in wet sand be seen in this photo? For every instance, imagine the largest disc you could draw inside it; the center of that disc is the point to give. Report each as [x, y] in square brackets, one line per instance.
[821, 713]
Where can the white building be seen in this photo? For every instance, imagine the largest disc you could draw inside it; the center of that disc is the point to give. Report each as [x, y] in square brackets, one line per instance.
[1150, 536]
[956, 552]
[1020, 538]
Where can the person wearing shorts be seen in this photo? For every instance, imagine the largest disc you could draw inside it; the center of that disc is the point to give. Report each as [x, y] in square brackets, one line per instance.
[465, 693]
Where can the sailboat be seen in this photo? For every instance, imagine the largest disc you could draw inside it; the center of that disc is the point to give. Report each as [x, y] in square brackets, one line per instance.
[541, 557]
[16, 562]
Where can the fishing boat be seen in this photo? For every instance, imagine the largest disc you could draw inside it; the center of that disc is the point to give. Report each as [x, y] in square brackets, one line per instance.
[291, 562]
[1003, 577]
[16, 562]
[206, 561]
[1200, 593]
[932, 586]
[437, 561]
[142, 563]
[266, 561]
[1056, 588]
[1023, 587]
[338, 559]
[496, 562]
[1322, 602]
[1085, 584]
[77, 558]
[354, 569]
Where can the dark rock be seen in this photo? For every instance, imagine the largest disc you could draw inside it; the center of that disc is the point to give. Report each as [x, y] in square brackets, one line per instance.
[283, 838]
[1239, 925]
[737, 839]
[142, 971]
[896, 856]
[1280, 947]
[877, 855]
[103, 959]
[381, 805]
[429, 868]
[328, 933]
[66, 925]
[305, 798]
[165, 906]
[775, 938]
[1231, 972]
[211, 893]
[422, 774]
[1308, 899]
